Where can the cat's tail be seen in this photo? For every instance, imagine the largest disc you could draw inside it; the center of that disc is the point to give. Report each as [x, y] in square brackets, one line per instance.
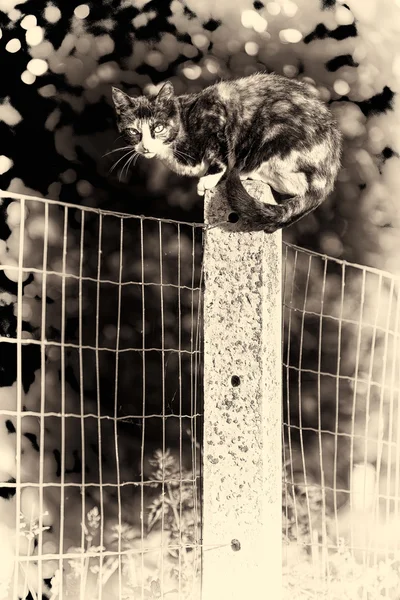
[253, 215]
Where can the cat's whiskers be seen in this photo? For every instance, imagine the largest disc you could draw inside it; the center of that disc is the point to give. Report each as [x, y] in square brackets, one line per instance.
[133, 160]
[122, 158]
[183, 155]
[127, 164]
[117, 150]
[186, 154]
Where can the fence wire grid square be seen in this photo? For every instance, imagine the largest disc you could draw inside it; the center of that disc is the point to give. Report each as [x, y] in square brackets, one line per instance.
[100, 423]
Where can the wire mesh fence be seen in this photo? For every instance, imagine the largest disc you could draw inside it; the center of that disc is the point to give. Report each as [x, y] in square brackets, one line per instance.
[101, 411]
[341, 489]
[100, 403]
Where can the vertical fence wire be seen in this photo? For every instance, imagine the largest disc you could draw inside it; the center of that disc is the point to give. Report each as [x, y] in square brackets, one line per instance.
[116, 382]
[337, 398]
[163, 494]
[82, 405]
[43, 400]
[19, 391]
[143, 422]
[392, 425]
[63, 407]
[98, 406]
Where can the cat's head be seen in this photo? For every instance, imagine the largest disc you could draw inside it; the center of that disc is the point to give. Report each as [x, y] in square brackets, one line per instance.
[148, 123]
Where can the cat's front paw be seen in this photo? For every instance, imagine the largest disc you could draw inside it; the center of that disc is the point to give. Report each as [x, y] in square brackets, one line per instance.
[200, 188]
[208, 182]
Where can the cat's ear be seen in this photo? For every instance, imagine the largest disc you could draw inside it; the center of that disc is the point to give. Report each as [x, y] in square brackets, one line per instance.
[120, 99]
[166, 92]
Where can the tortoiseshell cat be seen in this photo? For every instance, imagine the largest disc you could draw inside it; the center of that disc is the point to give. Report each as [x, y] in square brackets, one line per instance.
[264, 126]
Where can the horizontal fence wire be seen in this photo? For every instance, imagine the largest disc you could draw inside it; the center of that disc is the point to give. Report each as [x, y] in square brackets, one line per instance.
[341, 485]
[100, 402]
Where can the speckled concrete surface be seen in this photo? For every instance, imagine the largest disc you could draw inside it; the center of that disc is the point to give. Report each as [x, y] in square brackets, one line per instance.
[242, 388]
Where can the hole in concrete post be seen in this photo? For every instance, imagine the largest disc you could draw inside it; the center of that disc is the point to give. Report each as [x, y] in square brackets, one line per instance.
[10, 426]
[233, 217]
[235, 380]
[235, 545]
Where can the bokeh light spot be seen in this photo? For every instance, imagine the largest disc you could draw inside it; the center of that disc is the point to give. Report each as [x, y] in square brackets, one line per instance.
[14, 214]
[104, 44]
[34, 36]
[200, 40]
[13, 46]
[248, 18]
[360, 52]
[290, 8]
[251, 48]
[308, 80]
[211, 65]
[273, 8]
[324, 93]
[28, 22]
[260, 25]
[37, 66]
[44, 50]
[92, 81]
[52, 14]
[14, 14]
[26, 311]
[176, 7]
[290, 70]
[83, 44]
[189, 51]
[84, 188]
[192, 72]
[47, 91]
[13, 274]
[82, 11]
[140, 21]
[376, 134]
[69, 176]
[290, 36]
[331, 244]
[5, 164]
[108, 71]
[343, 16]
[341, 87]
[252, 20]
[154, 58]
[28, 77]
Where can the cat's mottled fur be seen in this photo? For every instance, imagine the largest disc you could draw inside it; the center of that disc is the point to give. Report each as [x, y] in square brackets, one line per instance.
[264, 126]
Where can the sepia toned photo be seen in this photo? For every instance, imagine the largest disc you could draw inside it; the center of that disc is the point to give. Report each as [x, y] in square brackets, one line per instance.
[199, 300]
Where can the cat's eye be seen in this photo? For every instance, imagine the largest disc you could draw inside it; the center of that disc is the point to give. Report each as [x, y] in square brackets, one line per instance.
[133, 131]
[159, 129]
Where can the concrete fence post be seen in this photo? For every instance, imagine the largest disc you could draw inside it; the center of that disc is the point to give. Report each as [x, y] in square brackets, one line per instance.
[242, 480]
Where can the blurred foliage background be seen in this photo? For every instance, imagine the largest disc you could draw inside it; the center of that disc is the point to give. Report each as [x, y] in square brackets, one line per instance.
[59, 61]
